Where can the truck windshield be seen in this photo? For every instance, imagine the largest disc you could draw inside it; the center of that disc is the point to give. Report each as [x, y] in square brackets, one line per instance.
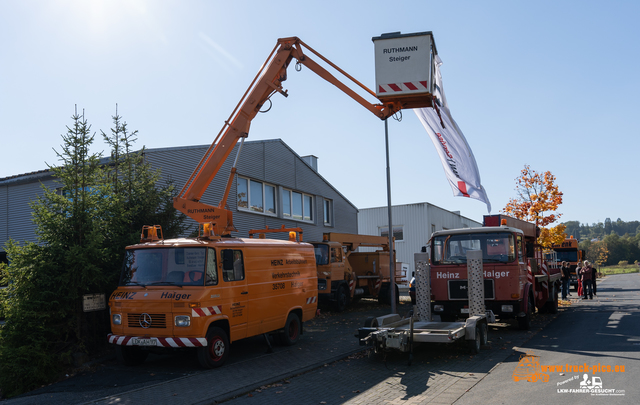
[322, 254]
[452, 249]
[567, 255]
[169, 266]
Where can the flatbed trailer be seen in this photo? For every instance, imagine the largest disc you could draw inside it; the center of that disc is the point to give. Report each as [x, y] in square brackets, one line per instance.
[392, 332]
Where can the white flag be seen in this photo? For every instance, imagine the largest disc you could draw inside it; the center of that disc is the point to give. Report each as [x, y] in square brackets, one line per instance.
[457, 158]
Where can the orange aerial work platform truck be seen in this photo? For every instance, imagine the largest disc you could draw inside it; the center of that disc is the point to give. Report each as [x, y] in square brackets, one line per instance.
[346, 274]
[516, 277]
[209, 291]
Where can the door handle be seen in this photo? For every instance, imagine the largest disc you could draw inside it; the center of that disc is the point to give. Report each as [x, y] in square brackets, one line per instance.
[244, 292]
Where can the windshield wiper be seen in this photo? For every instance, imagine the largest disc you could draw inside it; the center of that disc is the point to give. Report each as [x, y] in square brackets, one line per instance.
[135, 283]
[165, 283]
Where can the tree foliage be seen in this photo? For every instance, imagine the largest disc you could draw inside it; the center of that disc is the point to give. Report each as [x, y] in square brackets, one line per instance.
[537, 201]
[82, 226]
[597, 252]
[622, 239]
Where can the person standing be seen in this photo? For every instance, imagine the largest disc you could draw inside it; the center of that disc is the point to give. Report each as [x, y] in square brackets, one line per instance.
[579, 277]
[565, 279]
[586, 273]
[594, 276]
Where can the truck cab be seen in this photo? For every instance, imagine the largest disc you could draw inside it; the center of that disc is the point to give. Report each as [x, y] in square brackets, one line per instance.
[517, 279]
[504, 265]
[334, 274]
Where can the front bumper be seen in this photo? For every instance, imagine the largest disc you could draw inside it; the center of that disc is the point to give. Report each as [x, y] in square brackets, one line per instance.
[172, 342]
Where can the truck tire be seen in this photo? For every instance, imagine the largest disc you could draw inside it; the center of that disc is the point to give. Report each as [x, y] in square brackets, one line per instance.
[553, 305]
[130, 355]
[525, 322]
[384, 295]
[447, 318]
[342, 298]
[291, 333]
[474, 345]
[217, 350]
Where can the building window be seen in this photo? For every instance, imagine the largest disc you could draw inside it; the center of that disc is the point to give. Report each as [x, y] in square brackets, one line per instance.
[398, 232]
[256, 196]
[297, 205]
[327, 211]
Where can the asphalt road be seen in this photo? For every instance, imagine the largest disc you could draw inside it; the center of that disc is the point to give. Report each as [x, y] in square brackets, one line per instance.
[605, 331]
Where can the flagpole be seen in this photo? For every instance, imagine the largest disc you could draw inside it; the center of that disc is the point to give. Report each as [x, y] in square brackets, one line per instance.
[392, 268]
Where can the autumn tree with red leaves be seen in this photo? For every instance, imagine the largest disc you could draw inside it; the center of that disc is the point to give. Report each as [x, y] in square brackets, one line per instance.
[537, 202]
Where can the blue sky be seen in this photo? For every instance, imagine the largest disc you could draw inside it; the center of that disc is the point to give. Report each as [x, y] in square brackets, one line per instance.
[551, 84]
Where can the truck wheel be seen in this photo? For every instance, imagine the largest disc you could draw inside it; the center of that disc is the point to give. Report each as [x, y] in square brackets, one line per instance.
[397, 295]
[342, 298]
[474, 345]
[447, 318]
[384, 295]
[291, 333]
[553, 305]
[525, 321]
[131, 355]
[217, 350]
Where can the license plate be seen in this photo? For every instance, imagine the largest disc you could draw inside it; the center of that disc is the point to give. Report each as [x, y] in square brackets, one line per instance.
[143, 342]
[464, 310]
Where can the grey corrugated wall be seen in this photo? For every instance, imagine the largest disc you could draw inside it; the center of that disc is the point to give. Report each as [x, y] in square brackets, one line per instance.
[270, 161]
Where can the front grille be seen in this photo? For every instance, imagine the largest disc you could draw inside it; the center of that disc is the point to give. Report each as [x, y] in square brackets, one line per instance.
[158, 321]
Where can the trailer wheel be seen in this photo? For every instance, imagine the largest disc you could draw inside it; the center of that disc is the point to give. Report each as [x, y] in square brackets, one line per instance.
[484, 334]
[291, 333]
[474, 345]
[217, 350]
[525, 321]
[342, 298]
[130, 355]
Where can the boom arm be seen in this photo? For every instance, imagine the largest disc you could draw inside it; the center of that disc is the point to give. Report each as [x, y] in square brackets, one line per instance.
[267, 82]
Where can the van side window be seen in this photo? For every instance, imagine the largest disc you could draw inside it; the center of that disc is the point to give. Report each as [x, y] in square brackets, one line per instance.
[212, 270]
[335, 255]
[520, 250]
[232, 265]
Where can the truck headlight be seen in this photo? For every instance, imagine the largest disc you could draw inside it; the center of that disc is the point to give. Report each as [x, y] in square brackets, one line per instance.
[182, 320]
[507, 308]
[438, 308]
[117, 319]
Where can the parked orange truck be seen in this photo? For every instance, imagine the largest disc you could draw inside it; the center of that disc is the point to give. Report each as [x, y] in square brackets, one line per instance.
[516, 278]
[568, 251]
[345, 274]
[209, 291]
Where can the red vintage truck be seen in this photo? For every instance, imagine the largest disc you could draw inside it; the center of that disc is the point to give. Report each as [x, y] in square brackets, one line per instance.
[516, 278]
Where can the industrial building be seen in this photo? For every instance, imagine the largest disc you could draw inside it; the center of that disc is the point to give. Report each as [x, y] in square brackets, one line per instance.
[413, 225]
[273, 186]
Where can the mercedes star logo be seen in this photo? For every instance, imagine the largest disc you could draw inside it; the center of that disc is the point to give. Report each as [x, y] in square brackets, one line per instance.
[145, 320]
